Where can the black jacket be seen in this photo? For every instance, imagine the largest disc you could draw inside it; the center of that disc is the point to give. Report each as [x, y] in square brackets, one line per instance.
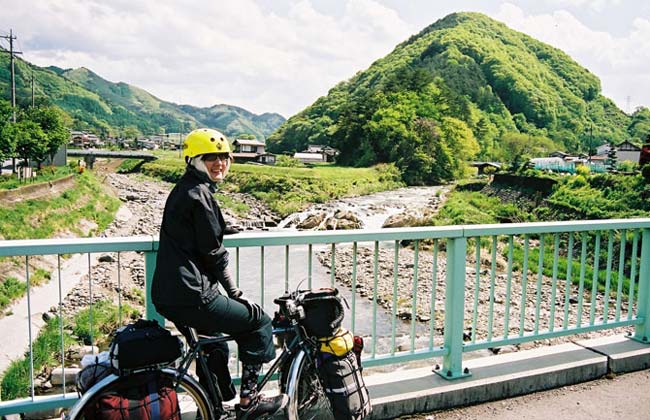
[191, 259]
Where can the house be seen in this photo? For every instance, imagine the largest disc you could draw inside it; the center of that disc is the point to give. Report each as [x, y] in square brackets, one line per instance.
[84, 140]
[628, 151]
[644, 159]
[330, 153]
[306, 157]
[559, 154]
[251, 151]
[482, 165]
[79, 139]
[603, 149]
[145, 143]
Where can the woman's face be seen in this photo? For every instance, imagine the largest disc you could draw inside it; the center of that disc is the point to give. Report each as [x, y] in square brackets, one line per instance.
[218, 165]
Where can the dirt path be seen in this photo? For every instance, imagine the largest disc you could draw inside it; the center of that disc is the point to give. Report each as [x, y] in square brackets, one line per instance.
[621, 397]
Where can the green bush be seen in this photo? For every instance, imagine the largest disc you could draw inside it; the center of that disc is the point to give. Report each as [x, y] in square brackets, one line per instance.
[129, 165]
[288, 161]
[11, 289]
[645, 173]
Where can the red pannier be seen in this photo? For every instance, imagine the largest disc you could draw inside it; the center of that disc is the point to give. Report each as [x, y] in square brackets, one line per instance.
[142, 396]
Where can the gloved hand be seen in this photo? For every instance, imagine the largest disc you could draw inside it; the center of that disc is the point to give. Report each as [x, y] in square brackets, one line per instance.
[234, 293]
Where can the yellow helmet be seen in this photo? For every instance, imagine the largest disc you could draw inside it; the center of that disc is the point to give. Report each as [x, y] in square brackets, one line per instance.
[203, 141]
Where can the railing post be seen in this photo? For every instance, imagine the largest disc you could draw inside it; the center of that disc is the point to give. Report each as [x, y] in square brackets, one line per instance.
[149, 268]
[642, 331]
[454, 310]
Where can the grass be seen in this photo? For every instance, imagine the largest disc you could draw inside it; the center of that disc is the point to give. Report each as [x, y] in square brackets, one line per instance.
[471, 208]
[46, 174]
[227, 202]
[44, 218]
[105, 319]
[11, 289]
[286, 190]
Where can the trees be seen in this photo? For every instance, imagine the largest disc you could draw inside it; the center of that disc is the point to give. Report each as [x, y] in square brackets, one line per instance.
[51, 121]
[38, 132]
[7, 142]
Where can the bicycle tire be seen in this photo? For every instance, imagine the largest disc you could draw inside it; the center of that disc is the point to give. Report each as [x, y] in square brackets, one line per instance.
[307, 399]
[194, 403]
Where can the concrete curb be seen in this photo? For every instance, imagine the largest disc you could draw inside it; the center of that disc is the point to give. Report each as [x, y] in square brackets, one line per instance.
[497, 377]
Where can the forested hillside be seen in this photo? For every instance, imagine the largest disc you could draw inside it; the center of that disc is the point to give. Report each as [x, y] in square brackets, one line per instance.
[108, 108]
[467, 87]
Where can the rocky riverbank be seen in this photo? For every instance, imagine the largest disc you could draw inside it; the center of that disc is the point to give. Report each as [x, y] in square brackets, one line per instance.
[396, 296]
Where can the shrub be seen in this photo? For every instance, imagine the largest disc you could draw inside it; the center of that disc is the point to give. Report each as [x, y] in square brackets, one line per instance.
[583, 170]
[288, 161]
[645, 173]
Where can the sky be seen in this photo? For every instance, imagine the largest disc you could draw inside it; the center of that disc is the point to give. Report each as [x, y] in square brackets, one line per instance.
[281, 55]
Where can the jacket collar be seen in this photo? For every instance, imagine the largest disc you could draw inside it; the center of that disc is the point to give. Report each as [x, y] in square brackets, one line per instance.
[202, 177]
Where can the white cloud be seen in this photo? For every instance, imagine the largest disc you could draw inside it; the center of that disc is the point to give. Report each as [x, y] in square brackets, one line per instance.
[595, 5]
[204, 53]
[250, 54]
[619, 61]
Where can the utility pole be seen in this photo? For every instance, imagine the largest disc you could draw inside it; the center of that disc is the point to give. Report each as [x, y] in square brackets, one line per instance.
[591, 139]
[12, 56]
[180, 140]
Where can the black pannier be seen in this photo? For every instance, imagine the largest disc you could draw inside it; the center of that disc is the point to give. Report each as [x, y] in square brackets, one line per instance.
[143, 344]
[344, 386]
[92, 373]
[323, 312]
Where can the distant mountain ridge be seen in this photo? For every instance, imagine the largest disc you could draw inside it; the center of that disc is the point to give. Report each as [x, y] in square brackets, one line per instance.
[108, 108]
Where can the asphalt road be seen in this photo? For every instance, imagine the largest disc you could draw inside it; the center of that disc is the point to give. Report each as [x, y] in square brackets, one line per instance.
[623, 397]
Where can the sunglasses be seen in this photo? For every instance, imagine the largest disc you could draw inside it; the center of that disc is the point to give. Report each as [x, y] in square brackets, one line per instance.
[211, 157]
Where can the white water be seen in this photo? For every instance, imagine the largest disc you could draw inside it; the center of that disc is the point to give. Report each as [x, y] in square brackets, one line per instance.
[374, 209]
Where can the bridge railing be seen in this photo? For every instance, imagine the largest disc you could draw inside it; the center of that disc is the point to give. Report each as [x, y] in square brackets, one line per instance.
[420, 293]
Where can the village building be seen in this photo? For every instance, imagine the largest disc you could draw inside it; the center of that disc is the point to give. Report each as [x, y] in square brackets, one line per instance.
[628, 151]
[317, 153]
[84, 140]
[251, 151]
[481, 166]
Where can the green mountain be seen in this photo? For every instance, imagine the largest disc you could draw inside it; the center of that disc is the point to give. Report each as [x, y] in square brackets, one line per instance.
[109, 108]
[457, 91]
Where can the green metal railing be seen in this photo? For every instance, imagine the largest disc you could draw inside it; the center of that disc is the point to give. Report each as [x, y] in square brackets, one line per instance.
[429, 292]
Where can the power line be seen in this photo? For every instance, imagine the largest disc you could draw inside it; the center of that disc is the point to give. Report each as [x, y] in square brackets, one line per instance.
[12, 56]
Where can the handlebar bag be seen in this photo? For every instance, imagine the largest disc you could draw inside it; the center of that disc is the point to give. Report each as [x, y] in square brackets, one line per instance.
[344, 386]
[143, 344]
[323, 312]
[143, 396]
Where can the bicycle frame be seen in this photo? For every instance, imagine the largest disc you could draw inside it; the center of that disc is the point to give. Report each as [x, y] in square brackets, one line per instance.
[299, 341]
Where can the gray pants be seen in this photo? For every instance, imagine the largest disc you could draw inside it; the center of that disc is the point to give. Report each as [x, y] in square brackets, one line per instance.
[253, 335]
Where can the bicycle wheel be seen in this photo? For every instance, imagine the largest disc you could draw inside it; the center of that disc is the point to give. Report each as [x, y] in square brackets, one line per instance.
[193, 402]
[307, 399]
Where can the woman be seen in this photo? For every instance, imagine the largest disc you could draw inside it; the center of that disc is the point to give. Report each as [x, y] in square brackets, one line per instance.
[192, 262]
